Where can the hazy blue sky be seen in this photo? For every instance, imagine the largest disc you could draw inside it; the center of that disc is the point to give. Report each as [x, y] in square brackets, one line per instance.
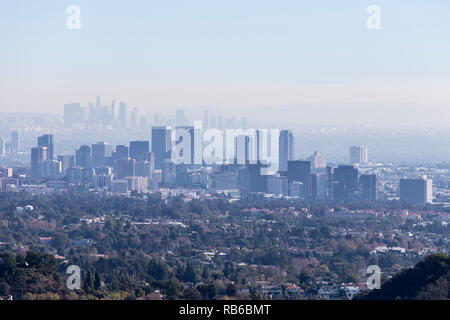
[158, 54]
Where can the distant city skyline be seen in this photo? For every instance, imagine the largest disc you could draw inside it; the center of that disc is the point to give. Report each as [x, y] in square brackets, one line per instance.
[258, 55]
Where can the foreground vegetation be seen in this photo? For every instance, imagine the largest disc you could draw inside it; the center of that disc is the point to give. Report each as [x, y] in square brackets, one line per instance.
[147, 247]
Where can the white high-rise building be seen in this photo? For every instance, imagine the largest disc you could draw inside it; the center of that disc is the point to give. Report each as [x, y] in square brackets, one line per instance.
[359, 154]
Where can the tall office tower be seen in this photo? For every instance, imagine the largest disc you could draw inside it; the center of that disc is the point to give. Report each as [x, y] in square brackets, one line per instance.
[2, 147]
[329, 178]
[242, 149]
[277, 185]
[359, 154]
[180, 118]
[92, 114]
[67, 162]
[50, 169]
[298, 170]
[198, 143]
[100, 151]
[346, 178]
[317, 161]
[38, 154]
[161, 145]
[140, 150]
[143, 123]
[416, 191]
[311, 187]
[15, 141]
[212, 122]
[98, 101]
[259, 141]
[104, 116]
[230, 123]
[195, 142]
[144, 169]
[73, 113]
[47, 141]
[120, 153]
[133, 118]
[244, 123]
[286, 149]
[169, 172]
[112, 112]
[220, 124]
[322, 186]
[257, 181]
[368, 187]
[122, 114]
[83, 157]
[206, 120]
[124, 168]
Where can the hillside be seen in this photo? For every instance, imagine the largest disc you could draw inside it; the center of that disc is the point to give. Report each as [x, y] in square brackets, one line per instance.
[428, 280]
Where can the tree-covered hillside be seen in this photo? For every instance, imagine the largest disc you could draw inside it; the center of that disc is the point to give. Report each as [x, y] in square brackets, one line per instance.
[429, 279]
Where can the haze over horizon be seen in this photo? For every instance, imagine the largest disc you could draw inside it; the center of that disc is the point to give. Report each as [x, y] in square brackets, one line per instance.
[310, 60]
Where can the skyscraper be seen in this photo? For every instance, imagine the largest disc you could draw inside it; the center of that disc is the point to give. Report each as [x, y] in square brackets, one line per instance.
[144, 169]
[286, 149]
[416, 191]
[298, 171]
[67, 162]
[134, 117]
[83, 157]
[124, 168]
[317, 161]
[122, 114]
[242, 146]
[212, 122]
[368, 187]
[47, 141]
[100, 151]
[120, 153]
[346, 178]
[244, 123]
[195, 143]
[180, 118]
[2, 147]
[38, 154]
[15, 141]
[161, 145]
[220, 124]
[311, 187]
[93, 110]
[113, 112]
[230, 123]
[359, 154]
[257, 181]
[206, 120]
[140, 150]
[73, 113]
